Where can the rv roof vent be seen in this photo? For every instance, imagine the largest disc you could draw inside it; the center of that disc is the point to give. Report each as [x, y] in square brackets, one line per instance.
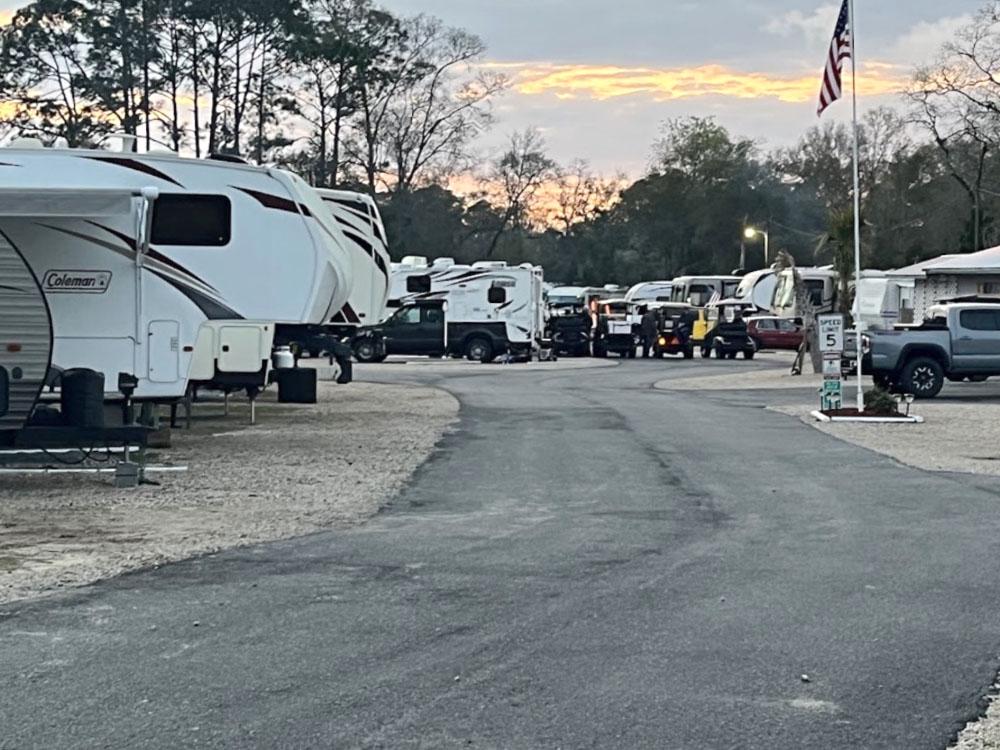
[490, 264]
[229, 158]
[444, 262]
[26, 143]
[413, 261]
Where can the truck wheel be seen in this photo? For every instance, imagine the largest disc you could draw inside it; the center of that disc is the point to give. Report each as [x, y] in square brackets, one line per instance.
[689, 352]
[600, 352]
[368, 351]
[749, 353]
[479, 350]
[923, 377]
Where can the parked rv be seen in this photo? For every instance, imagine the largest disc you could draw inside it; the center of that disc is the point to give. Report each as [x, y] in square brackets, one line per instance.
[480, 311]
[651, 291]
[700, 290]
[367, 304]
[25, 341]
[756, 290]
[821, 283]
[164, 268]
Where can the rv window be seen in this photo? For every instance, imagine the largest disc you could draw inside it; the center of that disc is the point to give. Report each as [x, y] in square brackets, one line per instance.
[185, 220]
[497, 295]
[418, 284]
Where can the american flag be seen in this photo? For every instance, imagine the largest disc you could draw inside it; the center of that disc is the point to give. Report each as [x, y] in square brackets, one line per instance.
[840, 50]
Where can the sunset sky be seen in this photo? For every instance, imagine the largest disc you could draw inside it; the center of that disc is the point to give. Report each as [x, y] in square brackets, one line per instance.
[598, 78]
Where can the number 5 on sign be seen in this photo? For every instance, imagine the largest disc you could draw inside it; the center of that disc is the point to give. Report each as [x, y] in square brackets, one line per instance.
[831, 333]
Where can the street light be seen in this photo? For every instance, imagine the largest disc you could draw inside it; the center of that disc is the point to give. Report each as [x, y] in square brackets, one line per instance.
[753, 233]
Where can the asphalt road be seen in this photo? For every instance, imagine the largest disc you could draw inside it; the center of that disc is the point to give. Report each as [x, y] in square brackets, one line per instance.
[587, 562]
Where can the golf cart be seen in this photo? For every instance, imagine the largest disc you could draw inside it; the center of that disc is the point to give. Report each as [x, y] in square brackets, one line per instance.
[727, 334]
[675, 327]
[617, 329]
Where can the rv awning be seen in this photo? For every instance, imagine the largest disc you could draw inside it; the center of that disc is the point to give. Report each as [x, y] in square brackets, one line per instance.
[68, 203]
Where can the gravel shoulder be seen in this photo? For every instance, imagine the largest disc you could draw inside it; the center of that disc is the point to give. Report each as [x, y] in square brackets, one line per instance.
[300, 470]
[956, 437]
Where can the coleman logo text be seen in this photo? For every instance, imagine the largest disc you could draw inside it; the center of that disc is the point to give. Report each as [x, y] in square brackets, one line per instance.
[77, 282]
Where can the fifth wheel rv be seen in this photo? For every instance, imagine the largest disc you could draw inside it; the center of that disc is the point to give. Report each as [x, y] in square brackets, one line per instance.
[171, 270]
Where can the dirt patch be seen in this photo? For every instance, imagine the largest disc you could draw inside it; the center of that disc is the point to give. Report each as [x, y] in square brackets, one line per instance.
[302, 469]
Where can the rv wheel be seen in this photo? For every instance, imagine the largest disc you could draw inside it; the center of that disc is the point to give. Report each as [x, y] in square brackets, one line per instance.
[479, 350]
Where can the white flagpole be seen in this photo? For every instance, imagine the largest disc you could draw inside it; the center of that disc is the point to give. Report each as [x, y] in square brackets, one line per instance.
[857, 205]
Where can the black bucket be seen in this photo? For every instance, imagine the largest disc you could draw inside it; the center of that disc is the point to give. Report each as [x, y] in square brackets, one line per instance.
[297, 386]
[82, 398]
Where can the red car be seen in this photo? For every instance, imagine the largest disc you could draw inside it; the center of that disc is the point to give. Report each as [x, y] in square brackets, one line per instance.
[774, 333]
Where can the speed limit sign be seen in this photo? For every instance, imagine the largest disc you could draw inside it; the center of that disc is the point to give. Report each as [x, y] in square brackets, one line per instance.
[831, 333]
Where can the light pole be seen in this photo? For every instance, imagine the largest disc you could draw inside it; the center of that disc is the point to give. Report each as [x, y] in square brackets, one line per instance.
[753, 233]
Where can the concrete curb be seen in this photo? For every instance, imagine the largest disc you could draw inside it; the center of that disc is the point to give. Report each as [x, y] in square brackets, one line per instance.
[821, 417]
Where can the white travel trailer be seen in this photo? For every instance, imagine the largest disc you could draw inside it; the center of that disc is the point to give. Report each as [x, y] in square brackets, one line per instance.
[651, 291]
[25, 341]
[700, 290]
[171, 270]
[480, 311]
[756, 290]
[957, 277]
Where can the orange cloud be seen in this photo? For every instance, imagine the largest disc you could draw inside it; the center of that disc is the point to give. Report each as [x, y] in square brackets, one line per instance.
[602, 82]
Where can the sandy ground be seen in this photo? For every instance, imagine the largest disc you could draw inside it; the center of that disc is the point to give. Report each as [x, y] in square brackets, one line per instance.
[775, 378]
[955, 437]
[302, 469]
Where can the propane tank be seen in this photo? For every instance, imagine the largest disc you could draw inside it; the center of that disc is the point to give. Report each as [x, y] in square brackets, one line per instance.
[282, 358]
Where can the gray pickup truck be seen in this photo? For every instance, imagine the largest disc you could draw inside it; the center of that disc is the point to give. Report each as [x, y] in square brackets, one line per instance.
[957, 342]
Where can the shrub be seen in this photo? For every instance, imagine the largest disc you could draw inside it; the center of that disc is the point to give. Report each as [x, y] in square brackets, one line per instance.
[881, 402]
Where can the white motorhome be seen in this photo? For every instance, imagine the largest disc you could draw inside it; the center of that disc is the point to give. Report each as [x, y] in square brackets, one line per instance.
[172, 270]
[700, 290]
[756, 290]
[480, 311]
[651, 291]
[25, 341]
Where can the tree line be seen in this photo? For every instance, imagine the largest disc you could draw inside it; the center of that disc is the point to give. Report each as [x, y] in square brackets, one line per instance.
[348, 94]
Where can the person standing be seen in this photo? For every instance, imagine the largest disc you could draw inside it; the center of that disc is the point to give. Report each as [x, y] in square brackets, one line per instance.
[650, 330]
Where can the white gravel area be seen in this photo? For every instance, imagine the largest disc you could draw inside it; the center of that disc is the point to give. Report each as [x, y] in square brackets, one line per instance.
[955, 437]
[777, 377]
[983, 734]
[300, 470]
